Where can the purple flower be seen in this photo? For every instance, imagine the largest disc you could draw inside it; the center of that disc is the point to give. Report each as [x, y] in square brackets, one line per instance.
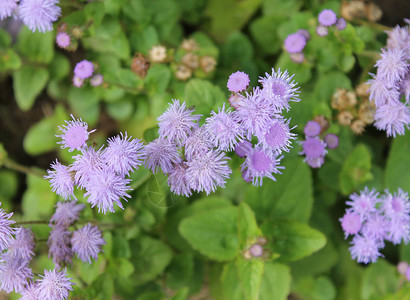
[365, 249]
[279, 89]
[405, 88]
[78, 82]
[14, 272]
[312, 129]
[313, 148]
[207, 171]
[23, 245]
[402, 267]
[87, 242]
[297, 58]
[408, 274]
[381, 94]
[235, 100]
[327, 17]
[74, 134]
[97, 80]
[6, 8]
[243, 148]
[67, 213]
[61, 180]
[54, 285]
[30, 291]
[341, 23]
[84, 69]
[376, 227]
[256, 250]
[123, 154]
[177, 123]
[331, 140]
[277, 137]
[305, 33]
[396, 208]
[161, 154]
[59, 246]
[321, 30]
[39, 14]
[63, 40]
[6, 232]
[238, 82]
[254, 114]
[199, 142]
[223, 130]
[177, 180]
[394, 118]
[351, 223]
[295, 42]
[364, 204]
[399, 38]
[392, 66]
[258, 164]
[315, 162]
[105, 189]
[86, 165]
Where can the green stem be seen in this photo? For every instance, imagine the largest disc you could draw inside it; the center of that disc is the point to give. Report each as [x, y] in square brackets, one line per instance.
[26, 170]
[31, 223]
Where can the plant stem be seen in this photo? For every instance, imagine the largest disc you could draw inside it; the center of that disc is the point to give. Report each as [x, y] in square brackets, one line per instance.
[31, 223]
[26, 170]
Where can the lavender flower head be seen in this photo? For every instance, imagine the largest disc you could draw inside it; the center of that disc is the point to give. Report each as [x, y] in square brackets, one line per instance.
[312, 129]
[277, 137]
[394, 118]
[243, 148]
[6, 8]
[59, 246]
[364, 204]
[177, 123]
[207, 171]
[327, 17]
[392, 66]
[84, 69]
[295, 42]
[78, 82]
[177, 180]
[74, 134]
[14, 272]
[6, 231]
[279, 88]
[97, 80]
[123, 154]
[199, 142]
[54, 285]
[331, 140]
[365, 249]
[87, 242]
[105, 189]
[161, 154]
[23, 245]
[351, 223]
[67, 213]
[321, 30]
[30, 291]
[223, 130]
[341, 23]
[313, 148]
[86, 165]
[63, 40]
[238, 82]
[61, 180]
[39, 14]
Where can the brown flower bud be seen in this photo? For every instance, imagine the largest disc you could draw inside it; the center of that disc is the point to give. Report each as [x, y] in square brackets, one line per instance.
[183, 72]
[191, 60]
[207, 63]
[158, 54]
[366, 112]
[357, 126]
[345, 118]
[324, 124]
[140, 65]
[362, 90]
[189, 45]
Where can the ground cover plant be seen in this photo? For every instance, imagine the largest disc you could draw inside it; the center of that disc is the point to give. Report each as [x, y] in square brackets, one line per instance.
[253, 149]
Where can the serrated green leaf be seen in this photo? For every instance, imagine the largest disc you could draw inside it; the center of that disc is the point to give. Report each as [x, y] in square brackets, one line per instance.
[379, 279]
[250, 275]
[275, 282]
[203, 95]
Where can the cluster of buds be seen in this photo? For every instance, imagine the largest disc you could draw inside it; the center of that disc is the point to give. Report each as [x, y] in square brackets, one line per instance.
[351, 10]
[256, 249]
[140, 65]
[66, 38]
[354, 108]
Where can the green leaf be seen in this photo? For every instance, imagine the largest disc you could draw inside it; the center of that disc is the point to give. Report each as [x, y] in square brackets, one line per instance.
[60, 67]
[247, 226]
[356, 169]
[229, 286]
[9, 60]
[28, 82]
[237, 50]
[250, 275]
[120, 110]
[302, 72]
[264, 32]
[379, 279]
[150, 257]
[328, 83]
[320, 288]
[293, 240]
[157, 79]
[36, 46]
[145, 40]
[84, 102]
[291, 196]
[397, 170]
[275, 282]
[281, 8]
[5, 38]
[180, 271]
[213, 233]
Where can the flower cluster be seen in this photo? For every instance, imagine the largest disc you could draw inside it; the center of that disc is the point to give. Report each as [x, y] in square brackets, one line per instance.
[391, 84]
[295, 43]
[314, 147]
[101, 172]
[84, 70]
[373, 218]
[38, 15]
[328, 18]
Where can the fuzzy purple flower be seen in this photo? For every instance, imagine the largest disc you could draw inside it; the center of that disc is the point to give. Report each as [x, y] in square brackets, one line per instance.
[243, 148]
[6, 8]
[238, 82]
[63, 40]
[259, 164]
[23, 244]
[381, 94]
[6, 231]
[396, 208]
[123, 154]
[39, 14]
[235, 100]
[199, 142]
[405, 88]
[376, 227]
[315, 162]
[86, 165]
[67, 213]
[277, 137]
[84, 69]
[392, 66]
[61, 180]
[177, 180]
[256, 250]
[54, 285]
[78, 82]
[177, 122]
[223, 130]
[105, 189]
[327, 17]
[313, 148]
[295, 42]
[74, 135]
[97, 80]
[312, 129]
[399, 38]
[341, 23]
[321, 30]
[87, 242]
[351, 223]
[364, 204]
[207, 171]
[394, 118]
[278, 89]
[297, 58]
[365, 249]
[59, 245]
[331, 140]
[30, 291]
[14, 272]
[305, 33]
[161, 154]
